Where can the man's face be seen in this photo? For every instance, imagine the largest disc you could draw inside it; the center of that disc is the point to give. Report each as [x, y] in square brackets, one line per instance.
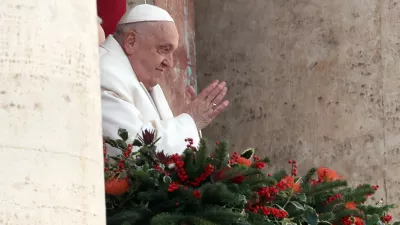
[152, 50]
[101, 34]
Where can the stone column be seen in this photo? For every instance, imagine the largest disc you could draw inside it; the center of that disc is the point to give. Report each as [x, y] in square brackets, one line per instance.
[50, 137]
[317, 81]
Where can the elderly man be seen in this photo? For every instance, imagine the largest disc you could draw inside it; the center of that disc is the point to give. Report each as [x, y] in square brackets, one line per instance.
[132, 63]
[100, 31]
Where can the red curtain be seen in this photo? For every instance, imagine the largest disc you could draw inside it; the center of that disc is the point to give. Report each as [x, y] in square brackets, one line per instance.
[110, 11]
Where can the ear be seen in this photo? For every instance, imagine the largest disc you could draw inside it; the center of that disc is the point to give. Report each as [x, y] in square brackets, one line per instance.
[129, 42]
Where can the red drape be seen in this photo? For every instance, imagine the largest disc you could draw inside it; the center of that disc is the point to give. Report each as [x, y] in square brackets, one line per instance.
[110, 11]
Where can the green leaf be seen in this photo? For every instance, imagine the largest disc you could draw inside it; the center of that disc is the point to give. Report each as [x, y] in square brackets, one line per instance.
[324, 223]
[287, 221]
[248, 153]
[311, 216]
[112, 143]
[298, 206]
[374, 219]
[123, 134]
[121, 144]
[137, 143]
[167, 179]
[302, 197]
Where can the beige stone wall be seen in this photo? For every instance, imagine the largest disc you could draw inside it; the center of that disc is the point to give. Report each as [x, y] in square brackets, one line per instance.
[50, 136]
[317, 81]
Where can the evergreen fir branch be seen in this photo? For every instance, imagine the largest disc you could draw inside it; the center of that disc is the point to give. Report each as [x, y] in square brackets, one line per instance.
[369, 209]
[328, 216]
[166, 219]
[197, 221]
[201, 156]
[131, 216]
[221, 155]
[219, 194]
[326, 187]
[305, 186]
[189, 157]
[348, 212]
[219, 215]
[279, 175]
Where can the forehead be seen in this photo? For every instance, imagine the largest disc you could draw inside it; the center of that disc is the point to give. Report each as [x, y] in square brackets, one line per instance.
[166, 32]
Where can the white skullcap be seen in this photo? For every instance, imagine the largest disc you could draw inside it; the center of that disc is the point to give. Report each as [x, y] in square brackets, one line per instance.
[145, 13]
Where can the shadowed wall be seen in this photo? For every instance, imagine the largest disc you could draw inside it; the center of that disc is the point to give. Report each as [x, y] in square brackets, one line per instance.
[312, 80]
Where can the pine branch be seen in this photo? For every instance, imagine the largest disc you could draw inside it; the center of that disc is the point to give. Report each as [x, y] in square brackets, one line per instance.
[201, 156]
[219, 215]
[166, 219]
[221, 155]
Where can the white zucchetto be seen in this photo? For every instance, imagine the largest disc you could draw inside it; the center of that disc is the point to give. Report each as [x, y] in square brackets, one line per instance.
[145, 13]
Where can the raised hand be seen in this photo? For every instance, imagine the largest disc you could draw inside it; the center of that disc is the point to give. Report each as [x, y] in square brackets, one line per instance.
[208, 104]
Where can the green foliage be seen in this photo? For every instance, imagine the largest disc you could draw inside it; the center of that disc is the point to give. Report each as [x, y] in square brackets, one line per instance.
[216, 189]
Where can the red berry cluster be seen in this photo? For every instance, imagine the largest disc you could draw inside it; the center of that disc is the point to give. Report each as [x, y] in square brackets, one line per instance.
[190, 143]
[180, 167]
[157, 167]
[294, 167]
[207, 172]
[256, 158]
[375, 187]
[387, 218]
[128, 151]
[234, 158]
[196, 194]
[315, 182]
[268, 211]
[173, 187]
[320, 179]
[268, 192]
[333, 198]
[259, 165]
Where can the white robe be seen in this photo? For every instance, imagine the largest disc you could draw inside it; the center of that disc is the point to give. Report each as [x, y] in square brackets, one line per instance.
[127, 104]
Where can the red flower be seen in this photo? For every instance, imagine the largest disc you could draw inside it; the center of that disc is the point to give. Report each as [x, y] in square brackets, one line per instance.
[327, 174]
[289, 180]
[350, 205]
[352, 220]
[243, 161]
[148, 136]
[116, 187]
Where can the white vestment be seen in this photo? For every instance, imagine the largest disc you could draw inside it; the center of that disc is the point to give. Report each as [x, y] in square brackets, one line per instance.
[127, 104]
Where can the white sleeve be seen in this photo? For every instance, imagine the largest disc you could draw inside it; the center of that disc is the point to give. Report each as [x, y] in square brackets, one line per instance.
[118, 113]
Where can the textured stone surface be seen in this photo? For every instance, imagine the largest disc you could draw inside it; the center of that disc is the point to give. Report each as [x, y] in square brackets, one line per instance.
[311, 80]
[184, 71]
[50, 136]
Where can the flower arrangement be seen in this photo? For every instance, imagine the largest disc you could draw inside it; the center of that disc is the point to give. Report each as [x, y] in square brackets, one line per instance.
[202, 187]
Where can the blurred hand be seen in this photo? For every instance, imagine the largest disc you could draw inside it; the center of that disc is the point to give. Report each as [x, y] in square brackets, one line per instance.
[208, 104]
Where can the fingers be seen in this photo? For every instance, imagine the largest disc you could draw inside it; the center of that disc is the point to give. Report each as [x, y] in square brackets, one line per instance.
[221, 107]
[206, 91]
[220, 96]
[192, 93]
[214, 93]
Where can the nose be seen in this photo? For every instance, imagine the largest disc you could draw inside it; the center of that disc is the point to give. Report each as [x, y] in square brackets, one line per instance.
[168, 61]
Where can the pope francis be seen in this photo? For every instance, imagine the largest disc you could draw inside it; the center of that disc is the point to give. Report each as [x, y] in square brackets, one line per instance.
[131, 64]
